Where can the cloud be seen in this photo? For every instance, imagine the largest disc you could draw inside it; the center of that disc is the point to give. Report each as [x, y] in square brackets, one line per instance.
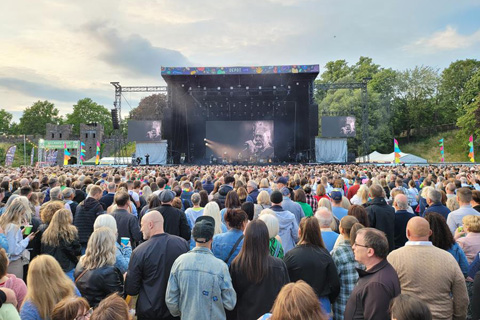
[446, 40]
[134, 53]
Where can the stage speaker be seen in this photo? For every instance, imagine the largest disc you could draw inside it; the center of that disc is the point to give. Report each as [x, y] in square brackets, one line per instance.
[167, 123]
[115, 123]
[313, 120]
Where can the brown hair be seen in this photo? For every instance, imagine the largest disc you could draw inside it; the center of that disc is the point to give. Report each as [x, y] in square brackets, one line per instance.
[121, 198]
[405, 307]
[3, 262]
[112, 307]
[297, 301]
[48, 210]
[310, 232]
[68, 308]
[360, 213]
[300, 195]
[321, 190]
[235, 218]
[353, 232]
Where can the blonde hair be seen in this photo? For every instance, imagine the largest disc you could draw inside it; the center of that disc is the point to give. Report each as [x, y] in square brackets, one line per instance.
[271, 221]
[100, 250]
[16, 214]
[263, 198]
[425, 191]
[452, 204]
[213, 210]
[472, 223]
[106, 220]
[47, 284]
[324, 202]
[48, 210]
[362, 193]
[346, 203]
[60, 228]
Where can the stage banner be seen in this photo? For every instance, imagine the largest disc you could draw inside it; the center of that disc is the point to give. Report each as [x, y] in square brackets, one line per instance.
[396, 150]
[471, 154]
[10, 155]
[442, 151]
[66, 155]
[97, 156]
[32, 154]
[82, 152]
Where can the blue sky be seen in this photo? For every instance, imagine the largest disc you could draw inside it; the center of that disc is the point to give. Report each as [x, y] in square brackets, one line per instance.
[63, 51]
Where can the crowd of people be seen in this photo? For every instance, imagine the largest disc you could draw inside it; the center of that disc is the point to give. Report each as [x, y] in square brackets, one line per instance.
[240, 242]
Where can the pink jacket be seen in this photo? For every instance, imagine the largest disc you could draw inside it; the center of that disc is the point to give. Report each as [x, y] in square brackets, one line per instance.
[17, 285]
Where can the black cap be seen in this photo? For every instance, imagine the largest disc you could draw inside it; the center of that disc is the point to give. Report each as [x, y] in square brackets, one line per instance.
[276, 197]
[204, 229]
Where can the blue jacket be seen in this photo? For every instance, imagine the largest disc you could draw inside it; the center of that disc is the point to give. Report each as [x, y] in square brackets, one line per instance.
[200, 287]
[223, 244]
[438, 208]
[460, 256]
[294, 208]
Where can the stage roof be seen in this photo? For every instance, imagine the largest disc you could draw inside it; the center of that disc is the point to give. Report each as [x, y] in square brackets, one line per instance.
[209, 71]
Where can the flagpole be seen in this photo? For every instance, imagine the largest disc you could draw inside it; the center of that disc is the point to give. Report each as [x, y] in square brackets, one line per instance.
[24, 152]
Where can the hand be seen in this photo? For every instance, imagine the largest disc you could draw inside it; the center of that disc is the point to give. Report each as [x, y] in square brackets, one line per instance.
[459, 234]
[31, 236]
[11, 297]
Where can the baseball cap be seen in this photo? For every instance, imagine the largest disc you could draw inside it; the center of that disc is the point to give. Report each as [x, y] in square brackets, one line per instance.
[166, 196]
[204, 229]
[336, 195]
[276, 197]
[285, 191]
[282, 180]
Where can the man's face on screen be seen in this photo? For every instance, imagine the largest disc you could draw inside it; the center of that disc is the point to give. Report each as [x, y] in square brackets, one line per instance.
[258, 139]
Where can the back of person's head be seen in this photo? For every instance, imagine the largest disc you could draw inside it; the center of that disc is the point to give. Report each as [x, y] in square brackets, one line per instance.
[101, 249]
[347, 223]
[360, 213]
[229, 179]
[464, 195]
[95, 191]
[235, 218]
[3, 263]
[60, 228]
[324, 202]
[271, 221]
[106, 220]
[441, 236]
[406, 307]
[112, 307]
[48, 210]
[471, 223]
[476, 196]
[232, 200]
[376, 191]
[376, 240]
[212, 209]
[263, 198]
[252, 258]
[195, 198]
[310, 232]
[434, 195]
[47, 284]
[68, 193]
[56, 193]
[25, 190]
[70, 308]
[121, 198]
[324, 216]
[300, 195]
[249, 209]
[298, 301]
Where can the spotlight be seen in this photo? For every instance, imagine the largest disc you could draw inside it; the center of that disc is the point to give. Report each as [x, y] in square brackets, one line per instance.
[206, 143]
[204, 139]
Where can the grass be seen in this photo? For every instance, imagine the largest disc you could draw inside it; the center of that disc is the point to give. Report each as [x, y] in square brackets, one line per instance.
[428, 148]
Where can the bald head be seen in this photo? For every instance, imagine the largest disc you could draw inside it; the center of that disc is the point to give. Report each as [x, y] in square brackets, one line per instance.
[418, 229]
[152, 224]
[400, 202]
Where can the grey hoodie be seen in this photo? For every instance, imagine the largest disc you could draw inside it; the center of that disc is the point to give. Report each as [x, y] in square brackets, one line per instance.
[288, 227]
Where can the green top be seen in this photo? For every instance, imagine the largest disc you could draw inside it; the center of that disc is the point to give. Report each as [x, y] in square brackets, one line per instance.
[306, 209]
[276, 249]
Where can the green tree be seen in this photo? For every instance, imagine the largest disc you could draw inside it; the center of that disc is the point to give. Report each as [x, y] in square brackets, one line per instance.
[35, 118]
[5, 121]
[150, 108]
[469, 122]
[88, 111]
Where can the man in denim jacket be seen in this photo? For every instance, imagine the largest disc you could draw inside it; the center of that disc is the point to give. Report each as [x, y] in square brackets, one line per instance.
[200, 286]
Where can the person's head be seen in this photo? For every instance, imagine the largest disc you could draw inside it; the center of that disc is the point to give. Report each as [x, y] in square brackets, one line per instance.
[376, 191]
[400, 202]
[236, 218]
[309, 232]
[151, 224]
[406, 307]
[47, 284]
[242, 194]
[111, 187]
[325, 203]
[433, 196]
[370, 246]
[324, 216]
[300, 195]
[418, 229]
[263, 198]
[346, 225]
[464, 196]
[60, 228]
[475, 198]
[106, 220]
[72, 308]
[441, 236]
[17, 213]
[362, 193]
[276, 197]
[249, 209]
[471, 223]
[26, 191]
[251, 186]
[56, 194]
[213, 210]
[252, 258]
[195, 198]
[167, 196]
[203, 231]
[101, 249]
[122, 199]
[48, 210]
[452, 204]
[353, 232]
[297, 300]
[68, 193]
[360, 213]
[336, 196]
[3, 263]
[271, 221]
[229, 180]
[321, 190]
[232, 200]
[112, 307]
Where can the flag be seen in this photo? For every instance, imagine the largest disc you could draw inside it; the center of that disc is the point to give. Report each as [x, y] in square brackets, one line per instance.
[471, 154]
[10, 155]
[442, 151]
[32, 154]
[82, 153]
[396, 150]
[66, 155]
[97, 156]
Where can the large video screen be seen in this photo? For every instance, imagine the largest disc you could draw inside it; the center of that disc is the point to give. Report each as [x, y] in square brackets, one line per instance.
[338, 127]
[240, 140]
[144, 131]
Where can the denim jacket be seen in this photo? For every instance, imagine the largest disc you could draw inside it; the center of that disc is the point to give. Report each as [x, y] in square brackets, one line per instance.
[200, 287]
[223, 244]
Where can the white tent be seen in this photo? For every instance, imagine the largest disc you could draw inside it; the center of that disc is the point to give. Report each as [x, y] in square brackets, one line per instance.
[376, 157]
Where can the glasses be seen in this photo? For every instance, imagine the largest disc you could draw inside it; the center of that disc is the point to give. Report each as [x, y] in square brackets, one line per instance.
[360, 245]
[85, 316]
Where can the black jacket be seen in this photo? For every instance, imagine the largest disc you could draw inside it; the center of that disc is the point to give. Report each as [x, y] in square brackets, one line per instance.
[381, 216]
[174, 221]
[107, 200]
[96, 284]
[66, 253]
[127, 225]
[85, 216]
[222, 194]
[148, 273]
[401, 220]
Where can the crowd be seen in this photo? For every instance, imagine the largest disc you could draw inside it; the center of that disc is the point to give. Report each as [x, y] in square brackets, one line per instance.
[240, 242]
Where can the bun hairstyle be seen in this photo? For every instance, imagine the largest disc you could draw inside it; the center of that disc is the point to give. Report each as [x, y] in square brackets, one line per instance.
[235, 218]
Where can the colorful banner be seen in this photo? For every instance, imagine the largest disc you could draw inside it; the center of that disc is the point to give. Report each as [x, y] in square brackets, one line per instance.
[10, 155]
[442, 151]
[471, 154]
[82, 152]
[32, 155]
[97, 155]
[396, 150]
[66, 155]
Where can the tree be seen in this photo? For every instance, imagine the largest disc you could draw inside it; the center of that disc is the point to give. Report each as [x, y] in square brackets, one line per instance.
[5, 121]
[469, 122]
[150, 108]
[35, 118]
[88, 111]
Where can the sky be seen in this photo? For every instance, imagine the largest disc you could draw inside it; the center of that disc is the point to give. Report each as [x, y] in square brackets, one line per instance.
[63, 51]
